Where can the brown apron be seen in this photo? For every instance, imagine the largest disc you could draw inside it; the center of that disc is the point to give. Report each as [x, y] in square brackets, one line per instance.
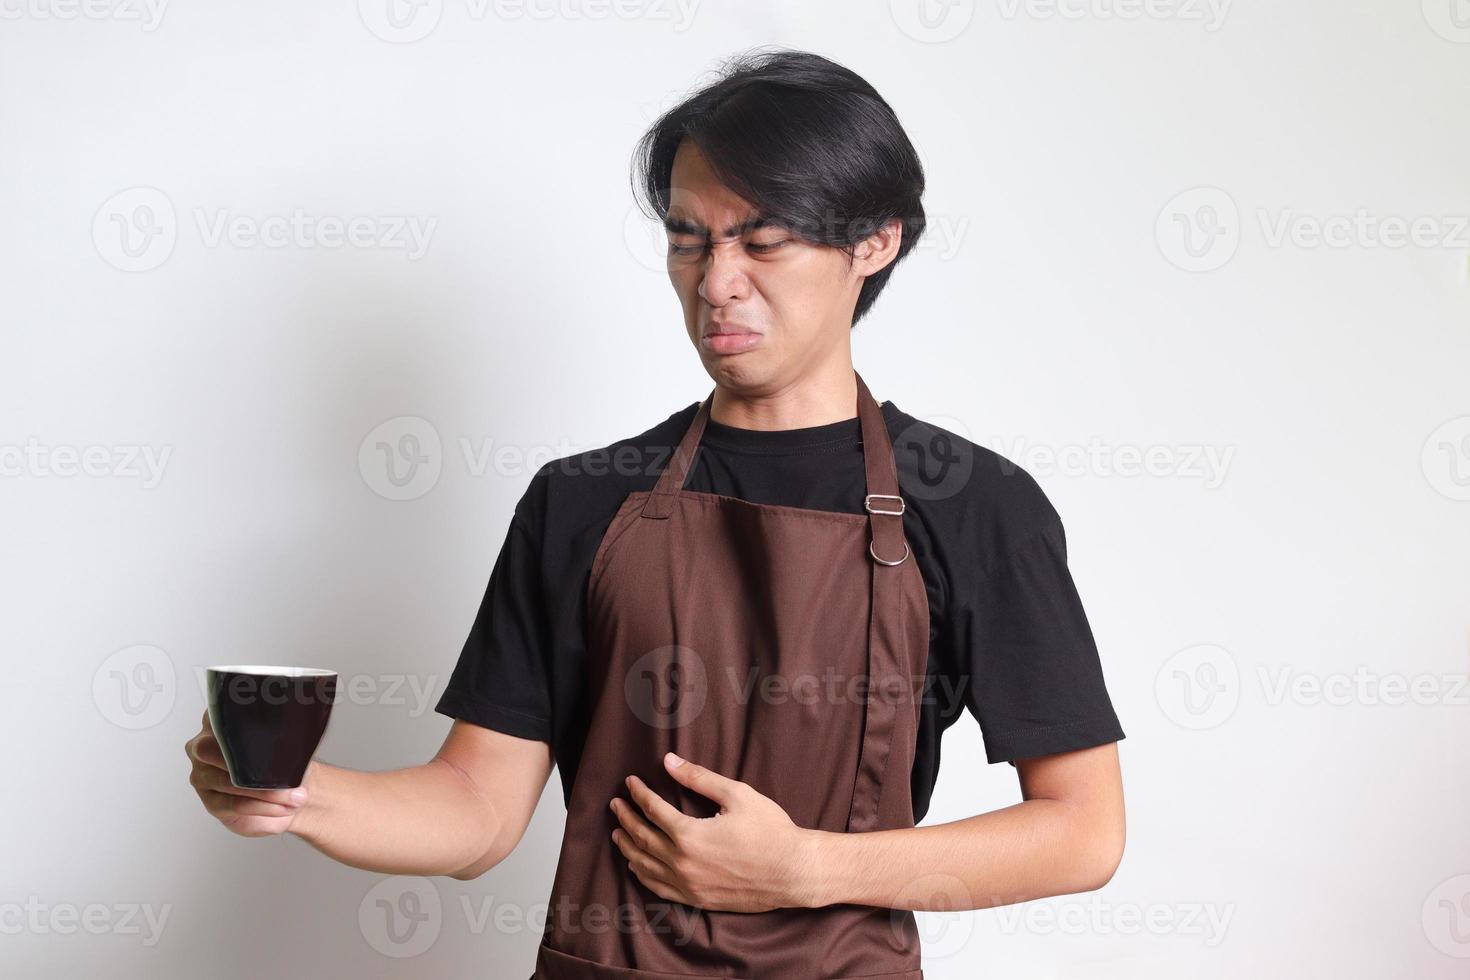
[781, 646]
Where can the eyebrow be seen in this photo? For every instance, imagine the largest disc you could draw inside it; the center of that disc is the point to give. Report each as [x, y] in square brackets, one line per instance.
[688, 226]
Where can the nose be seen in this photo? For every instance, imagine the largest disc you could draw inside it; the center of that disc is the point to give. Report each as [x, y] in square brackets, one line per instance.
[724, 273]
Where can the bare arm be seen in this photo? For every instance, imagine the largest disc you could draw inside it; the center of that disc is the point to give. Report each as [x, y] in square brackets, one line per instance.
[459, 814]
[1066, 836]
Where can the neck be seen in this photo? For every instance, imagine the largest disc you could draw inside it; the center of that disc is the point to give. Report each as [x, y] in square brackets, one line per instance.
[818, 397]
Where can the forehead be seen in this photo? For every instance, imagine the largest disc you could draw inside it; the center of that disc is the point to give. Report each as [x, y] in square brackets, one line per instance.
[697, 197]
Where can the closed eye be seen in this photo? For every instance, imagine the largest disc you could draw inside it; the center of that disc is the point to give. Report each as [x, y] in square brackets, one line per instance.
[760, 248]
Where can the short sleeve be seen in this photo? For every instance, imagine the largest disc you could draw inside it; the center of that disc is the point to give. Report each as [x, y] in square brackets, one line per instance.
[501, 679]
[1035, 680]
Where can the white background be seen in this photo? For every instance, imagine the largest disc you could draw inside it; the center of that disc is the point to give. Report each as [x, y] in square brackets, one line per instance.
[1121, 260]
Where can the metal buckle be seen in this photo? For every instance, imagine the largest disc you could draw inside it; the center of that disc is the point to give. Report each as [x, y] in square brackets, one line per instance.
[868, 503]
[884, 561]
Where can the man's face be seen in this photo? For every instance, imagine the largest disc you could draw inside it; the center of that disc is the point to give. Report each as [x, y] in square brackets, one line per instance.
[761, 306]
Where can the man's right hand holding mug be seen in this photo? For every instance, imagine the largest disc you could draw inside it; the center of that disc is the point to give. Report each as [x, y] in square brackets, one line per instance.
[247, 812]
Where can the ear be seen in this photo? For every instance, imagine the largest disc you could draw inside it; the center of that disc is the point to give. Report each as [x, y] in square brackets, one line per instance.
[873, 253]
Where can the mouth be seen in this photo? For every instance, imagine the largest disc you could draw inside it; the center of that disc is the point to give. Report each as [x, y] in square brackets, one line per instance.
[728, 338]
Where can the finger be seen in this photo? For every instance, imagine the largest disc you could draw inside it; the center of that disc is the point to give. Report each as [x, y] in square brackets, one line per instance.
[643, 862]
[205, 749]
[705, 782]
[646, 835]
[218, 781]
[661, 888]
[224, 805]
[665, 890]
[664, 814]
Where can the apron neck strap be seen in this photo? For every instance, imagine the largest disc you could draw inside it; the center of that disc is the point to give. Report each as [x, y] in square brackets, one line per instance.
[882, 502]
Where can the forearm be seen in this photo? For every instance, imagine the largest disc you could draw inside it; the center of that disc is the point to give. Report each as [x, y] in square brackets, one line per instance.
[1034, 849]
[423, 820]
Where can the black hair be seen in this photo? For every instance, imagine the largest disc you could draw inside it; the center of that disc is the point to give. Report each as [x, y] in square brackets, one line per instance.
[807, 142]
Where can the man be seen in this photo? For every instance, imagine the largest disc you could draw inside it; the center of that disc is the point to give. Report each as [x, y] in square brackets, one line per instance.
[741, 633]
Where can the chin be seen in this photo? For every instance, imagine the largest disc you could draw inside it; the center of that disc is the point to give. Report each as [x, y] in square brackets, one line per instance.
[739, 372]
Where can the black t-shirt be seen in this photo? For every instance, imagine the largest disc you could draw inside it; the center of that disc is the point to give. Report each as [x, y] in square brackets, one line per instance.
[1008, 636]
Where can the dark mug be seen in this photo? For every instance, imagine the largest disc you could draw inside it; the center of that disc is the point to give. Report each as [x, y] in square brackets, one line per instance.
[269, 720]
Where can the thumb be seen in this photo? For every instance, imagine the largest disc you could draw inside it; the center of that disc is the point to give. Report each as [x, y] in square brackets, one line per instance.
[705, 782]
